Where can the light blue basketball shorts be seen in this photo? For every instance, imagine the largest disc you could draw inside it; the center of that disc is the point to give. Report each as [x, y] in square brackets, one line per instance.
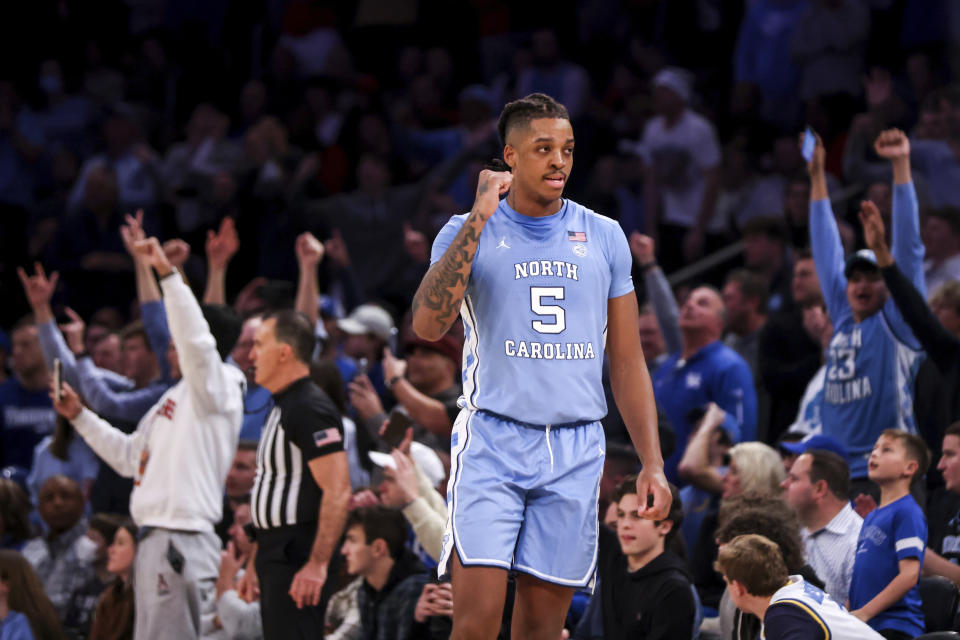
[524, 498]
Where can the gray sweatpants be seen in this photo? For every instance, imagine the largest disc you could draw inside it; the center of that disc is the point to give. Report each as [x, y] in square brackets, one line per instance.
[175, 576]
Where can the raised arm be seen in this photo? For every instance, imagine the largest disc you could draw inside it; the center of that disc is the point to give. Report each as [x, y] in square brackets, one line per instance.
[437, 301]
[128, 405]
[825, 237]
[220, 247]
[309, 255]
[941, 345]
[148, 294]
[107, 393]
[412, 499]
[132, 232]
[428, 412]
[119, 450]
[908, 247]
[197, 353]
[659, 294]
[38, 290]
[695, 465]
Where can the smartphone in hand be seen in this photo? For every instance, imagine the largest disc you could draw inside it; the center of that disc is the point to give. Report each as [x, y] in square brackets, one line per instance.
[57, 380]
[396, 428]
[809, 144]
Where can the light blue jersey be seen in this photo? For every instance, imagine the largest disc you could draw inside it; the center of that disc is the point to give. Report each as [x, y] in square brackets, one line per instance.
[535, 312]
[527, 451]
[871, 365]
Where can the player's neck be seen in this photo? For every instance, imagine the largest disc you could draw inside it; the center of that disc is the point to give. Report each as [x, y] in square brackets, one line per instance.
[528, 204]
[893, 490]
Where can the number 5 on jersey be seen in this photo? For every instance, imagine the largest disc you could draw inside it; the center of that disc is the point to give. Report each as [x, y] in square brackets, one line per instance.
[537, 295]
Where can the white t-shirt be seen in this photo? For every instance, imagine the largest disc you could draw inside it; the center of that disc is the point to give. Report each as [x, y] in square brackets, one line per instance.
[679, 156]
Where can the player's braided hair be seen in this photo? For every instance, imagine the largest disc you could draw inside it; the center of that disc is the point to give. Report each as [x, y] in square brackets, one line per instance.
[521, 112]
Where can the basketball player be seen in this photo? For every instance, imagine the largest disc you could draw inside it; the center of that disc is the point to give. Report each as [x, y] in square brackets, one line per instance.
[544, 288]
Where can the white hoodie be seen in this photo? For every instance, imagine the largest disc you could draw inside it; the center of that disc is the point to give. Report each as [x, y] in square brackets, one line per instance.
[184, 445]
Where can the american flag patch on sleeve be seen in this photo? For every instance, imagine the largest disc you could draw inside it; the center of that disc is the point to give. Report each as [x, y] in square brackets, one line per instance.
[326, 436]
[577, 236]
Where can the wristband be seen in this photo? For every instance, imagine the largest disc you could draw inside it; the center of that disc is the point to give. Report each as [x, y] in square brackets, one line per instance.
[81, 355]
[646, 266]
[392, 381]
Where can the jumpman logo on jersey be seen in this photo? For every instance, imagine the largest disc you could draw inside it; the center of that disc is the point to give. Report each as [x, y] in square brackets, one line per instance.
[503, 243]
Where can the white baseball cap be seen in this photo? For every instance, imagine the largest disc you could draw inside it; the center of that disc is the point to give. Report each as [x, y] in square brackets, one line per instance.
[423, 456]
[368, 318]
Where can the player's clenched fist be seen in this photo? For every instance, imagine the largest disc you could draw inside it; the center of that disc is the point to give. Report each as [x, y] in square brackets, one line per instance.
[490, 186]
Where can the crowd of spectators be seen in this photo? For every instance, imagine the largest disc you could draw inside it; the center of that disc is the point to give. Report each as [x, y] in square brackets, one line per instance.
[295, 154]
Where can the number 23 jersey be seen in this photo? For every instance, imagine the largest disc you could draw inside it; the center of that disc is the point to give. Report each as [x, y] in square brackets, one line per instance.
[535, 311]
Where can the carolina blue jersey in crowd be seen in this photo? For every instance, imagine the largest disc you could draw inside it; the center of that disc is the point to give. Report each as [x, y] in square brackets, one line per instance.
[535, 312]
[890, 534]
[871, 365]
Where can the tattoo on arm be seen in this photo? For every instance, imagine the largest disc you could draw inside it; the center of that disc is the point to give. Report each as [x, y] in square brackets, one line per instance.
[442, 289]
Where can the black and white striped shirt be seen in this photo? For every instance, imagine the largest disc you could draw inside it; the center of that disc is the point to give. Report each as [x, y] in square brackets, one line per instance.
[303, 425]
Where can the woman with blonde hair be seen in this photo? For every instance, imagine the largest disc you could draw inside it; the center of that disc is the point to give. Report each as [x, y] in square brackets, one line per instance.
[755, 468]
[755, 471]
[26, 612]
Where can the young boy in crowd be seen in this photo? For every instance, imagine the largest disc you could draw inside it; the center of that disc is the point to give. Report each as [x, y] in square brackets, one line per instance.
[790, 608]
[645, 589]
[883, 590]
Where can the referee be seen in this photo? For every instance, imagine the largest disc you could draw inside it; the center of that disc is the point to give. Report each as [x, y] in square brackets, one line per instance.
[300, 495]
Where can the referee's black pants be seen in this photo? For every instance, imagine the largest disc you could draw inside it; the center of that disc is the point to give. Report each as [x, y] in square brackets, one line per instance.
[281, 553]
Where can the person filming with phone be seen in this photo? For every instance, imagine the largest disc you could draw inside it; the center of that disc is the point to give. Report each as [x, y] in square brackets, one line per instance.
[426, 388]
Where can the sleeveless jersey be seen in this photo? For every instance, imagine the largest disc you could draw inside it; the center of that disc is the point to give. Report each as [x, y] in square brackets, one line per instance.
[535, 312]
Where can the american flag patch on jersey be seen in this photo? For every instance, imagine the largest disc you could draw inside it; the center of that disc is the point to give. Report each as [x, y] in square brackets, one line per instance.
[577, 236]
[326, 436]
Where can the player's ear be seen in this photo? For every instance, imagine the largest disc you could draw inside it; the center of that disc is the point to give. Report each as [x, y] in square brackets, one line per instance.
[665, 527]
[510, 156]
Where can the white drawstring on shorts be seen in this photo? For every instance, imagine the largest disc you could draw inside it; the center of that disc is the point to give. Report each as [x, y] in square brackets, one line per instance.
[549, 449]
